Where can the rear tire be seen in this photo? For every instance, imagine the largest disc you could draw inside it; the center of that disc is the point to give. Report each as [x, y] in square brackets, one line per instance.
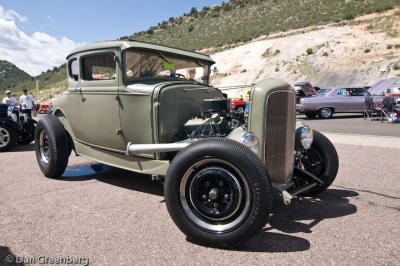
[218, 192]
[325, 113]
[51, 146]
[310, 115]
[8, 137]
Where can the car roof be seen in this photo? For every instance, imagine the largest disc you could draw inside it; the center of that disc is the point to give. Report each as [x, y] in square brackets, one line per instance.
[335, 90]
[126, 44]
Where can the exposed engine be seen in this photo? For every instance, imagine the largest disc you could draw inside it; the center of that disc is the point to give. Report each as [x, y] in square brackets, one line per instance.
[216, 121]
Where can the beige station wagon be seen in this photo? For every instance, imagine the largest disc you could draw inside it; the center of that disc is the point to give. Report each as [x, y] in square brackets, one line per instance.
[150, 109]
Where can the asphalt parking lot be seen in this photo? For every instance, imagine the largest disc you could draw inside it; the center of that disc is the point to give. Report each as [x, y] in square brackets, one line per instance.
[105, 216]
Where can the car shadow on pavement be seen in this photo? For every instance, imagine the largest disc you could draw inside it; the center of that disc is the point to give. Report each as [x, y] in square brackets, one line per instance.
[296, 217]
[291, 219]
[113, 176]
[22, 148]
[332, 203]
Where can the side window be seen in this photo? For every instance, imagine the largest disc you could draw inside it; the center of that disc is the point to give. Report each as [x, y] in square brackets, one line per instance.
[359, 92]
[343, 92]
[99, 67]
[73, 69]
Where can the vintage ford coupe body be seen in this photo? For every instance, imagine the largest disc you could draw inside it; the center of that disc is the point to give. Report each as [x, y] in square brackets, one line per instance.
[149, 108]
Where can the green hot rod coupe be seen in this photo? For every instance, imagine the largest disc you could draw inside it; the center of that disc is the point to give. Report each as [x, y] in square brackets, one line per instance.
[149, 108]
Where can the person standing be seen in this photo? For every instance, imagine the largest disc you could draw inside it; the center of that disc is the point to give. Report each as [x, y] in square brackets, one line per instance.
[26, 101]
[8, 99]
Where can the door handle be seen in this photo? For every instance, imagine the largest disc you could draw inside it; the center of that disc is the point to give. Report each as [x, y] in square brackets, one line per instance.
[79, 90]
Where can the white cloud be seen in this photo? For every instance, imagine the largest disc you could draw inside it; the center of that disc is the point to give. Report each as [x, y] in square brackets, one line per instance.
[32, 53]
[11, 15]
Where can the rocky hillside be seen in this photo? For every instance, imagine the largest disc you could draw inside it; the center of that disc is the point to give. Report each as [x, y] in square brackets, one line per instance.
[244, 20]
[357, 52]
[10, 74]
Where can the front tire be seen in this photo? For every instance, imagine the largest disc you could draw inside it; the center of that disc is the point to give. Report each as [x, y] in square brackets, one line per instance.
[218, 192]
[8, 137]
[51, 146]
[322, 161]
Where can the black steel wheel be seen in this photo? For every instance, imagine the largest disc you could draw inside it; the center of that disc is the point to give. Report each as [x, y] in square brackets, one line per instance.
[51, 146]
[325, 112]
[218, 192]
[322, 161]
[8, 137]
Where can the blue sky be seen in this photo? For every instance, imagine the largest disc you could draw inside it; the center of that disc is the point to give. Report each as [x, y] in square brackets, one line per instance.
[37, 35]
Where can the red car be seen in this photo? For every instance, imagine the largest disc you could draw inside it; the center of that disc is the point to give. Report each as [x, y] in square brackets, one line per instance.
[239, 105]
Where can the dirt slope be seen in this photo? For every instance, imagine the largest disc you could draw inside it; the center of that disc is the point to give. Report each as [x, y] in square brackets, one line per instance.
[360, 52]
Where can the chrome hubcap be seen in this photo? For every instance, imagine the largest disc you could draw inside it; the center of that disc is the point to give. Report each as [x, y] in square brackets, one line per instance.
[326, 112]
[4, 137]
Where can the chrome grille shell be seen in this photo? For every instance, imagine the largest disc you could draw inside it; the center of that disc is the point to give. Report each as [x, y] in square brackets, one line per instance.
[280, 116]
[272, 118]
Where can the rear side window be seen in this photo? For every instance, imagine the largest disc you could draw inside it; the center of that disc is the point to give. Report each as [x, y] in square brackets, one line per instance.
[357, 92]
[99, 67]
[74, 69]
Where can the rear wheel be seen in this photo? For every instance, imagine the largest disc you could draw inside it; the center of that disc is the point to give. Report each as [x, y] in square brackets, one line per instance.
[310, 115]
[218, 192]
[51, 146]
[8, 137]
[325, 113]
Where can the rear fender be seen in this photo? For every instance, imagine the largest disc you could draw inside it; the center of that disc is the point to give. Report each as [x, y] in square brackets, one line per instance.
[62, 117]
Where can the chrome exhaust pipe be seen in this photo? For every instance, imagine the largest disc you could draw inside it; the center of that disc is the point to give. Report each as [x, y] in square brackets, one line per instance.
[133, 149]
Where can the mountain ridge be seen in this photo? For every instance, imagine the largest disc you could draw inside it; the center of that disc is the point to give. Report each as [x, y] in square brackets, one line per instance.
[10, 74]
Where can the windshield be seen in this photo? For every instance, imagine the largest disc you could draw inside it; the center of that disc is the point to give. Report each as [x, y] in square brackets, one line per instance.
[324, 91]
[156, 65]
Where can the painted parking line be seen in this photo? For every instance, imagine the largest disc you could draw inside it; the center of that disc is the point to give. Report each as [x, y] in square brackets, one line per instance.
[364, 140]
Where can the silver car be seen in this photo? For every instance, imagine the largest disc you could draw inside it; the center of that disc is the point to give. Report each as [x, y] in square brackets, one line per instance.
[337, 100]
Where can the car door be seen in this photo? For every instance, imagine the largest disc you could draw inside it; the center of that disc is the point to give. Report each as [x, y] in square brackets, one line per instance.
[338, 100]
[356, 99]
[99, 100]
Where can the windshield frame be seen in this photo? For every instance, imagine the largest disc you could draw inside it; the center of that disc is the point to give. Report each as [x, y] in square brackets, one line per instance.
[163, 55]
